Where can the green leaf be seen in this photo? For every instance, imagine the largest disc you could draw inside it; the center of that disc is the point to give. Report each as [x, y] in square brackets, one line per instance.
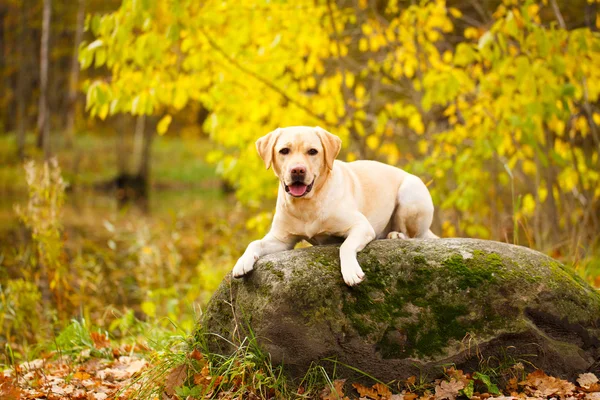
[469, 390]
[568, 90]
[100, 57]
[173, 32]
[492, 388]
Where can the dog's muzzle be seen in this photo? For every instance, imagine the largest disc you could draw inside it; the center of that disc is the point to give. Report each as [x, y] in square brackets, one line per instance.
[298, 189]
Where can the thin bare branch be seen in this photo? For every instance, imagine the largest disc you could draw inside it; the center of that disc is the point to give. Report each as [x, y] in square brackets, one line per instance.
[261, 79]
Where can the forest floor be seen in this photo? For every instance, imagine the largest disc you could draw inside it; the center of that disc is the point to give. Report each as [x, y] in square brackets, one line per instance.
[134, 372]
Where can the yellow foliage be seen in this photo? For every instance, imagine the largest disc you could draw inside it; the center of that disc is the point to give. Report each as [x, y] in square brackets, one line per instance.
[514, 95]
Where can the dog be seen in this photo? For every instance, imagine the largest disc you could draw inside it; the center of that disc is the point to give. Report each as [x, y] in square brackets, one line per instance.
[323, 200]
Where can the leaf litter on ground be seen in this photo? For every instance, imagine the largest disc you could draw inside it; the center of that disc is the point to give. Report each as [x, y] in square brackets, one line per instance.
[122, 377]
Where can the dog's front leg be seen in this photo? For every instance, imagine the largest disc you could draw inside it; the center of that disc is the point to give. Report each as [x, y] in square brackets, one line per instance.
[358, 237]
[267, 245]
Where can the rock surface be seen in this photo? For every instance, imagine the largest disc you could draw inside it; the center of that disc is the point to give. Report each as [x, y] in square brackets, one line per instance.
[423, 304]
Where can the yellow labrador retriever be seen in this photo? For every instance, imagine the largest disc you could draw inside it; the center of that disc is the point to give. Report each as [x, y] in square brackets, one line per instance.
[323, 200]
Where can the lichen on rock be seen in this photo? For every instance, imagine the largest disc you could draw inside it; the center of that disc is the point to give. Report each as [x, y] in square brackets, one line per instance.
[423, 304]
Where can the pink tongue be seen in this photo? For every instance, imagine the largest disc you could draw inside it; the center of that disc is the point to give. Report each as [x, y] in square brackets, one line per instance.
[298, 189]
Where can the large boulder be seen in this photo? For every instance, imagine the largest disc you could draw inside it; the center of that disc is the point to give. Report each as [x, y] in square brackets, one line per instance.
[423, 304]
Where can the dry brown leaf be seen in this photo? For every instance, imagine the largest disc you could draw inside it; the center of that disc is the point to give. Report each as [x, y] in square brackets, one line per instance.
[410, 396]
[196, 355]
[81, 375]
[364, 391]
[8, 390]
[100, 340]
[411, 380]
[175, 379]
[587, 380]
[543, 385]
[383, 390]
[337, 394]
[448, 390]
[338, 385]
[203, 378]
[135, 366]
[512, 385]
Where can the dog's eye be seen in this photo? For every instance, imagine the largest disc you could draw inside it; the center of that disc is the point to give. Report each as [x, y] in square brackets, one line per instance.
[284, 151]
[313, 152]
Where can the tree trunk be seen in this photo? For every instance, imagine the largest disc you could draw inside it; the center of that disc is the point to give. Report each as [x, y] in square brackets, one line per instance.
[551, 207]
[122, 126]
[138, 143]
[144, 160]
[4, 81]
[22, 76]
[74, 76]
[43, 123]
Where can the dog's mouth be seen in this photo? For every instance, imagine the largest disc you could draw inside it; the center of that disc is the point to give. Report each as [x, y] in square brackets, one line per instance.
[298, 189]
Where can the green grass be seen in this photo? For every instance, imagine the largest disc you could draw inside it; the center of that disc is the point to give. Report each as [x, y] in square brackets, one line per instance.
[176, 162]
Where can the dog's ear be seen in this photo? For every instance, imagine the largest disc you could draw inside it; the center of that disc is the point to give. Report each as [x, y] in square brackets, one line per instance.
[331, 145]
[265, 145]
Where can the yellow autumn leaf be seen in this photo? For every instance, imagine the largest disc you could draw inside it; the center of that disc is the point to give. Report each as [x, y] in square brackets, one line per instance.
[455, 12]
[360, 92]
[349, 79]
[416, 124]
[409, 70]
[471, 33]
[373, 142]
[163, 124]
[363, 44]
[528, 204]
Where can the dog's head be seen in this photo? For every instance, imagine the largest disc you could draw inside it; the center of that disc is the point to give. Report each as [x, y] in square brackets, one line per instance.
[300, 156]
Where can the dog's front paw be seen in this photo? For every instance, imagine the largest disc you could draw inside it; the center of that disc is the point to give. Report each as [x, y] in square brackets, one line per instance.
[352, 273]
[244, 265]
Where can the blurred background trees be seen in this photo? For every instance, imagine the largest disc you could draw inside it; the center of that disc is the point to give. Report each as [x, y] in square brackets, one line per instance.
[493, 103]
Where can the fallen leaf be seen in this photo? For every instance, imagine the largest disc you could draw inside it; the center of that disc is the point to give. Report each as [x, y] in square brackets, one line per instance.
[100, 341]
[32, 365]
[196, 355]
[338, 393]
[512, 386]
[175, 379]
[587, 380]
[540, 384]
[338, 384]
[410, 396]
[364, 391]
[81, 375]
[448, 390]
[135, 366]
[7, 388]
[383, 390]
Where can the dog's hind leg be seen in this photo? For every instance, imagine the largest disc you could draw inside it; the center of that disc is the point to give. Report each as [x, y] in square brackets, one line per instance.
[414, 211]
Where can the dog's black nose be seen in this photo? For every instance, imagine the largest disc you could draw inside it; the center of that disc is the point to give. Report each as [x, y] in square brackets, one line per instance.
[298, 173]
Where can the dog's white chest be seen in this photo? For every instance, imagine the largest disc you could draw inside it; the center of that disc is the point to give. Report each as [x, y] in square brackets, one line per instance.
[312, 229]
